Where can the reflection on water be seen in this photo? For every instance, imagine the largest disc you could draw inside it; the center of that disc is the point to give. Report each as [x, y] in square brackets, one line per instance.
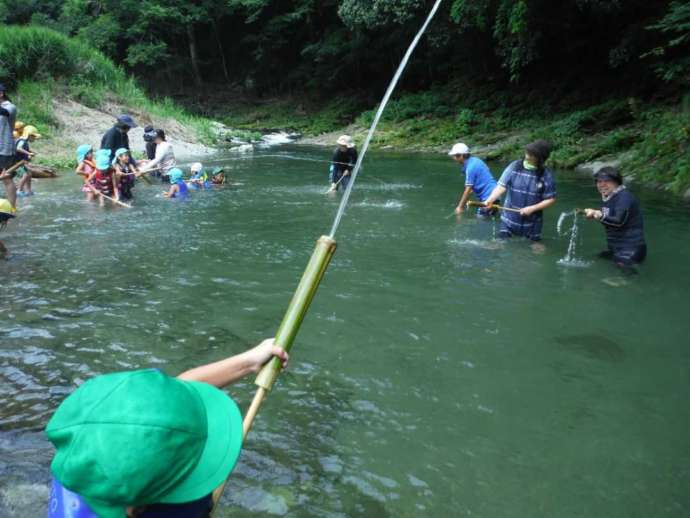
[440, 372]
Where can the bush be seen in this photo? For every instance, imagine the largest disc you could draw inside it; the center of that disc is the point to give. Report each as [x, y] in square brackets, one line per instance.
[36, 53]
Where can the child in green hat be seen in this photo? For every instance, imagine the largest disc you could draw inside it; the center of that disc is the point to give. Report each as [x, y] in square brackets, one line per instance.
[142, 443]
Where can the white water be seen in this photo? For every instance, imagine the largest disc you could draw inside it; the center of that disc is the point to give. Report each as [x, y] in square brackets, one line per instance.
[570, 258]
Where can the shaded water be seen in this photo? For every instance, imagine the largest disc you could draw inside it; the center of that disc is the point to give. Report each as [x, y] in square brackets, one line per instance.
[439, 372]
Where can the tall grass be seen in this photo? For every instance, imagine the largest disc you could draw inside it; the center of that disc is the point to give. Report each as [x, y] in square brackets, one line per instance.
[37, 63]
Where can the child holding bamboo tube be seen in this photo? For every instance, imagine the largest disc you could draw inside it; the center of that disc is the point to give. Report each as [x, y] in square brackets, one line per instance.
[144, 444]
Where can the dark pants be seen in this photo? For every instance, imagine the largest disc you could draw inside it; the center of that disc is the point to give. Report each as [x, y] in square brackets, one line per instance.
[7, 161]
[626, 256]
[344, 182]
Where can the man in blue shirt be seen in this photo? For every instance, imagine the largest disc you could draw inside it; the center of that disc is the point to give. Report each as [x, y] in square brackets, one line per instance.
[478, 178]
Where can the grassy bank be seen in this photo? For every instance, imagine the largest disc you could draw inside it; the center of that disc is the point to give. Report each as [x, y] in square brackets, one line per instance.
[652, 141]
[43, 67]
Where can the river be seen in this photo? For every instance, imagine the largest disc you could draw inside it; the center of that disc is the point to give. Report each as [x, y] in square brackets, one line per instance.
[439, 372]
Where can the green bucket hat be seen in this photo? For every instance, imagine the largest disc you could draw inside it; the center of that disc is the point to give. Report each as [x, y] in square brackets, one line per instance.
[143, 437]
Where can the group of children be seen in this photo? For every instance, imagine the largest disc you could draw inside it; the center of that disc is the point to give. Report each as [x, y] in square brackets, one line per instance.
[112, 176]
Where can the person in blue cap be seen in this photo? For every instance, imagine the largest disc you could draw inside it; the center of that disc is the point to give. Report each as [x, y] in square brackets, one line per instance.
[178, 187]
[8, 114]
[116, 137]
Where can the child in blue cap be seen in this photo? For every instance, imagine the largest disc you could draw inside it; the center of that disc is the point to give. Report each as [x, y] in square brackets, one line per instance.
[85, 168]
[103, 180]
[178, 187]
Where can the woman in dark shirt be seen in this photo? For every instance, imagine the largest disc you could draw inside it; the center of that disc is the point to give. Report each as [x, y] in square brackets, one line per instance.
[342, 163]
[622, 219]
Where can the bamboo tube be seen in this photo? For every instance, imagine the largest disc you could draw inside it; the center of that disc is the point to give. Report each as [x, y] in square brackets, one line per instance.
[292, 320]
[494, 206]
[117, 202]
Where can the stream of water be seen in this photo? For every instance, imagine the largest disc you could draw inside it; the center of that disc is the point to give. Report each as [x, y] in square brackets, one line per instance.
[439, 372]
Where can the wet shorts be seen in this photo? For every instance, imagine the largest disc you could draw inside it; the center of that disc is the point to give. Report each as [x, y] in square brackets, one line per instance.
[7, 161]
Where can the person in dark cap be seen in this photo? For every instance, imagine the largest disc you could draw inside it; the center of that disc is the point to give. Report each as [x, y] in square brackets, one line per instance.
[149, 139]
[621, 217]
[116, 137]
[530, 188]
[8, 114]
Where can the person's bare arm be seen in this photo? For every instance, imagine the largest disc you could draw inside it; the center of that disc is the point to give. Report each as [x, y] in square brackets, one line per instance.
[463, 199]
[229, 370]
[531, 209]
[498, 191]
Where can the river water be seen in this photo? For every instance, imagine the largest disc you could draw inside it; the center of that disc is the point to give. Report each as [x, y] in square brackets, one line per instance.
[440, 372]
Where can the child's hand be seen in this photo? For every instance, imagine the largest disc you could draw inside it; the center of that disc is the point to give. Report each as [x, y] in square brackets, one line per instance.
[262, 353]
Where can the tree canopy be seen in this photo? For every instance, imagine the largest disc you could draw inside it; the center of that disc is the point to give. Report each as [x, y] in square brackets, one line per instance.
[335, 45]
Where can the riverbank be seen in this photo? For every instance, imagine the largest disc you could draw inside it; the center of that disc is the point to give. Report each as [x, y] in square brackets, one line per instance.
[648, 140]
[73, 93]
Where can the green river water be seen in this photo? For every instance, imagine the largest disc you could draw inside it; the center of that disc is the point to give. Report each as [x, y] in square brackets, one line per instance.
[440, 372]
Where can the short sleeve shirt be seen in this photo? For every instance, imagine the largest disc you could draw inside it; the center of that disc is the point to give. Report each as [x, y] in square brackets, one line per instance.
[6, 127]
[479, 177]
[525, 188]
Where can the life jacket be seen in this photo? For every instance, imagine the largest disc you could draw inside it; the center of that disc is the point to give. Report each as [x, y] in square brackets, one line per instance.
[183, 192]
[90, 168]
[103, 181]
[126, 181]
[21, 143]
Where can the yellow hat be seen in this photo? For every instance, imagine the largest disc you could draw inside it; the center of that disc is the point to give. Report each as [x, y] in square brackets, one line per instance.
[7, 211]
[30, 131]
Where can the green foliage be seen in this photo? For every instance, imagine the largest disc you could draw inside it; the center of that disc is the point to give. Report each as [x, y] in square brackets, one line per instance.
[38, 53]
[36, 102]
[101, 33]
[663, 154]
[40, 64]
[673, 60]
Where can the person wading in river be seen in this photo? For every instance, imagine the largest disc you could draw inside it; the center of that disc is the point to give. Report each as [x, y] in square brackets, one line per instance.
[116, 137]
[530, 188]
[342, 163]
[478, 178]
[621, 217]
[164, 160]
[144, 444]
[8, 114]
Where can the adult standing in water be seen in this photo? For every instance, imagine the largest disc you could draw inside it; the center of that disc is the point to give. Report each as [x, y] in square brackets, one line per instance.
[478, 178]
[530, 188]
[8, 114]
[116, 137]
[164, 160]
[622, 219]
[149, 139]
[343, 163]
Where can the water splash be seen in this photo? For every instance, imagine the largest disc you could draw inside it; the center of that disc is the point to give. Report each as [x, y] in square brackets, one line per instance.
[379, 112]
[570, 259]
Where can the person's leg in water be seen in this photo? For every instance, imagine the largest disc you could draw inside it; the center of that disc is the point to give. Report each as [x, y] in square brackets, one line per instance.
[627, 258]
[8, 179]
[344, 182]
[25, 182]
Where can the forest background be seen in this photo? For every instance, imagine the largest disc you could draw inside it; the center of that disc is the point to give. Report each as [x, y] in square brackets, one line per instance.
[600, 79]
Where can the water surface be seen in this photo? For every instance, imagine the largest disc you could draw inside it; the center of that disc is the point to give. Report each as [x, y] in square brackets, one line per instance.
[440, 372]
